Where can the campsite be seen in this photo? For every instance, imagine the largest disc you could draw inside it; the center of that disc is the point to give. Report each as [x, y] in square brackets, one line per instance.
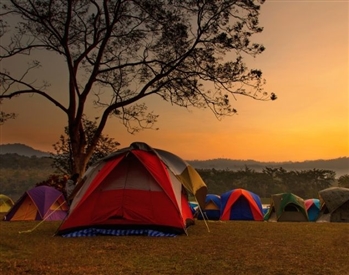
[131, 214]
[174, 137]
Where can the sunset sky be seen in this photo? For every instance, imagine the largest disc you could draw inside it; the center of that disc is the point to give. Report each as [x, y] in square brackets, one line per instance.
[305, 63]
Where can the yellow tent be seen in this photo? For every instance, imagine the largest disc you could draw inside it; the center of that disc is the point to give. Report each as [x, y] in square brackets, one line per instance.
[5, 203]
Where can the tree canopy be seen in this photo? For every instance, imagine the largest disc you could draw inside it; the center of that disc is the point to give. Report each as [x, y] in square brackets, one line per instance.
[117, 52]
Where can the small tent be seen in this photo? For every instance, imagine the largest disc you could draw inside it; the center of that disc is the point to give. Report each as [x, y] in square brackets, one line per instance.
[5, 203]
[39, 203]
[334, 205]
[212, 208]
[137, 190]
[313, 208]
[241, 204]
[286, 207]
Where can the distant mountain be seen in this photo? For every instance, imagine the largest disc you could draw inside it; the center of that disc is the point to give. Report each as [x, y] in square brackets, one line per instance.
[22, 150]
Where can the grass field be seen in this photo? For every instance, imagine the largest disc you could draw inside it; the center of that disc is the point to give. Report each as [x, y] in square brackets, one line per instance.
[233, 247]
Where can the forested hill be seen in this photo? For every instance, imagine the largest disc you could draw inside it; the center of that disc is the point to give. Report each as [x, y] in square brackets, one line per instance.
[340, 165]
[22, 150]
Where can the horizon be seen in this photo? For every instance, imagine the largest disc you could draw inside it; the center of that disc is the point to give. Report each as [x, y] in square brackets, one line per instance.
[218, 158]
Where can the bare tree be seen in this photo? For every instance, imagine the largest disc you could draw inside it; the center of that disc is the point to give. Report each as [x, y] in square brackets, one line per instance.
[132, 49]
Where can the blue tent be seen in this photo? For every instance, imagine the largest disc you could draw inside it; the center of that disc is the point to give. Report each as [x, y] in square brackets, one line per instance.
[313, 208]
[212, 207]
[241, 204]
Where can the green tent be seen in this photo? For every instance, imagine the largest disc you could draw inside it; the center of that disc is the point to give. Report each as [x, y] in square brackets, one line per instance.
[5, 203]
[286, 207]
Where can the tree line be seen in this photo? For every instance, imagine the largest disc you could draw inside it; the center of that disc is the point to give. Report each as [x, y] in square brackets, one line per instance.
[20, 173]
[305, 183]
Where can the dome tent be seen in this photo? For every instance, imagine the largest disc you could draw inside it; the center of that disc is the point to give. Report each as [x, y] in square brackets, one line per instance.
[334, 205]
[5, 203]
[39, 203]
[212, 208]
[136, 190]
[313, 208]
[241, 204]
[286, 207]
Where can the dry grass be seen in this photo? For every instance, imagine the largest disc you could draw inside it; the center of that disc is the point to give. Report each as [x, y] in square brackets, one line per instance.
[229, 248]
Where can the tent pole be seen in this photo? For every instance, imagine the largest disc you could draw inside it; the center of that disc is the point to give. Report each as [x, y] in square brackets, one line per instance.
[203, 216]
[31, 230]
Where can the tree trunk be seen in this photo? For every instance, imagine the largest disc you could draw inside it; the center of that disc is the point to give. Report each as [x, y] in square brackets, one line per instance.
[80, 163]
[81, 153]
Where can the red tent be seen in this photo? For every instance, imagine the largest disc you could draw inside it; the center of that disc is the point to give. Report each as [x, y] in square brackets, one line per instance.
[134, 188]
